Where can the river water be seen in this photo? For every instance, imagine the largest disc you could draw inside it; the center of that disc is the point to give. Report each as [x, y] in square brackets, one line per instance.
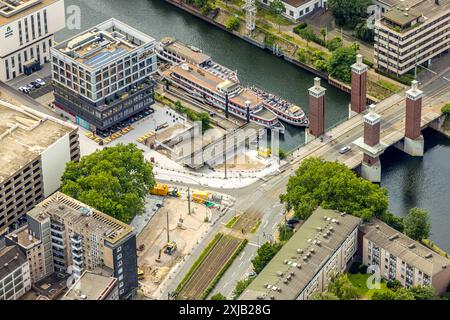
[410, 181]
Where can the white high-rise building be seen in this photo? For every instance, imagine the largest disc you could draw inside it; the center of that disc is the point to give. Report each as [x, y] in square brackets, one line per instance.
[27, 29]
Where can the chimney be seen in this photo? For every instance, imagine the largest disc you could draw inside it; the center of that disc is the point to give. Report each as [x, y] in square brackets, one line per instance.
[317, 109]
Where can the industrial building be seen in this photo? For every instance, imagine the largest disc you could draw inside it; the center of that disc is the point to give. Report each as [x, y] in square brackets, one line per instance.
[34, 150]
[102, 76]
[27, 30]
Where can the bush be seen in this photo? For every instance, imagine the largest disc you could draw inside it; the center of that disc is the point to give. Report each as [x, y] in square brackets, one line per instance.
[232, 23]
[354, 268]
[334, 43]
[394, 284]
[301, 26]
[240, 287]
[446, 109]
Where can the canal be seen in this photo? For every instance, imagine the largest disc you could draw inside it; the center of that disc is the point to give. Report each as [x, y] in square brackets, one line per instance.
[410, 181]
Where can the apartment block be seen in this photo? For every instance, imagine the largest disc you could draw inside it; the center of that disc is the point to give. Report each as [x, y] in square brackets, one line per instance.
[93, 286]
[34, 150]
[326, 243]
[401, 258]
[33, 250]
[27, 30]
[84, 239]
[101, 76]
[15, 279]
[410, 33]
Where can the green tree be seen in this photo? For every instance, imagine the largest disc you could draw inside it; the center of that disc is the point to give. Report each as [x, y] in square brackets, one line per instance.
[324, 296]
[362, 32]
[241, 285]
[114, 180]
[285, 232]
[424, 293]
[277, 7]
[341, 287]
[417, 224]
[264, 254]
[348, 12]
[323, 33]
[218, 296]
[446, 109]
[340, 63]
[232, 23]
[394, 284]
[333, 186]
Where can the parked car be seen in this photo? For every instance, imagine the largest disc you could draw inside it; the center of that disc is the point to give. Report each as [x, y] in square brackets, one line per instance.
[293, 221]
[24, 90]
[35, 84]
[30, 87]
[250, 274]
[40, 81]
[345, 149]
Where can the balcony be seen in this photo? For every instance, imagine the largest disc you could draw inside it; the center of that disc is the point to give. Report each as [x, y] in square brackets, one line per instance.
[58, 246]
[76, 240]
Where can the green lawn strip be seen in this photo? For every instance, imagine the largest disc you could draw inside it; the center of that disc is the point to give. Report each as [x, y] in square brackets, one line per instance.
[224, 269]
[430, 244]
[359, 281]
[232, 222]
[255, 228]
[200, 259]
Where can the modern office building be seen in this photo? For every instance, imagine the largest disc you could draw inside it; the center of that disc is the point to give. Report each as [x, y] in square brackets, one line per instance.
[15, 278]
[297, 9]
[101, 76]
[34, 150]
[410, 33]
[33, 250]
[402, 258]
[326, 243]
[27, 29]
[92, 286]
[82, 238]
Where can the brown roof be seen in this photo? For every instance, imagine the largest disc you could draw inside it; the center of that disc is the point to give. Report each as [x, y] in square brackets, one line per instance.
[296, 3]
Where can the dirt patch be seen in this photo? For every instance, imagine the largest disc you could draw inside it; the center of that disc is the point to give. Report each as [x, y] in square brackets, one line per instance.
[154, 238]
[242, 162]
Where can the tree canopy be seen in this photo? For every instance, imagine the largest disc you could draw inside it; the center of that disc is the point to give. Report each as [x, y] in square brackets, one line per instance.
[114, 180]
[340, 286]
[232, 23]
[332, 185]
[264, 254]
[348, 12]
[417, 224]
[339, 65]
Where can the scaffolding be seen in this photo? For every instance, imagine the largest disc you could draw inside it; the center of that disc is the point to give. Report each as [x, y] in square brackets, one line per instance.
[250, 14]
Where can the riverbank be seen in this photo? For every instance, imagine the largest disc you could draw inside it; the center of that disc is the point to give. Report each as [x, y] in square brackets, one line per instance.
[285, 46]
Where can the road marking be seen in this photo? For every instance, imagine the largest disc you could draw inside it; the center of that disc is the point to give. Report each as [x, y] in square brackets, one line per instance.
[265, 224]
[253, 244]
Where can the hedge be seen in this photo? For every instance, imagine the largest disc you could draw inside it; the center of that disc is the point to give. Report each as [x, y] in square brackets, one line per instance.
[200, 259]
[224, 269]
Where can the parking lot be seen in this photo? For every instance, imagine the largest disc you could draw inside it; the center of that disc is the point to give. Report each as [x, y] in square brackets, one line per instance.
[24, 80]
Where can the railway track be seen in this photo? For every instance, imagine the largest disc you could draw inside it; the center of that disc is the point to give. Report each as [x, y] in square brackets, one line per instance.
[209, 268]
[247, 221]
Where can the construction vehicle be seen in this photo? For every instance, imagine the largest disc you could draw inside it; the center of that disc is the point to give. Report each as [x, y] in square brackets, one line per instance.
[264, 152]
[200, 196]
[140, 274]
[164, 190]
[170, 248]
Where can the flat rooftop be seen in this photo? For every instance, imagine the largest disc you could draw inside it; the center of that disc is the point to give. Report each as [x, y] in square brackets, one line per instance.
[400, 245]
[11, 258]
[81, 216]
[11, 10]
[103, 44]
[403, 12]
[24, 135]
[23, 238]
[304, 254]
[91, 286]
[188, 53]
[51, 287]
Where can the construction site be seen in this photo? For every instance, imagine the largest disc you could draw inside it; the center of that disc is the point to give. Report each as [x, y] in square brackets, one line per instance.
[172, 233]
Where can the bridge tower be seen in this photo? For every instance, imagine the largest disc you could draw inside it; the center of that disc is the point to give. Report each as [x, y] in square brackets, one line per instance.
[414, 143]
[359, 87]
[316, 109]
[371, 146]
[250, 14]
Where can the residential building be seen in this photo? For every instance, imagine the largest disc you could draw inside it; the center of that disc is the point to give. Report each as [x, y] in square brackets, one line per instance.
[101, 76]
[92, 286]
[326, 243]
[83, 239]
[33, 250]
[401, 258]
[297, 9]
[15, 279]
[34, 150]
[410, 33]
[27, 30]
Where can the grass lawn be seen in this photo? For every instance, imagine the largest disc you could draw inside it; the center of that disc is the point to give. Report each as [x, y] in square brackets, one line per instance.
[232, 222]
[359, 280]
[430, 244]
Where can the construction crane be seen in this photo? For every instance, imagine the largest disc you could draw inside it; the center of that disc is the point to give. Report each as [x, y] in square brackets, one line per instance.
[250, 14]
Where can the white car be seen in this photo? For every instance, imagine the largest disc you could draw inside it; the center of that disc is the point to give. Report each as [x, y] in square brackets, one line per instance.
[40, 81]
[250, 274]
[24, 90]
[345, 149]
